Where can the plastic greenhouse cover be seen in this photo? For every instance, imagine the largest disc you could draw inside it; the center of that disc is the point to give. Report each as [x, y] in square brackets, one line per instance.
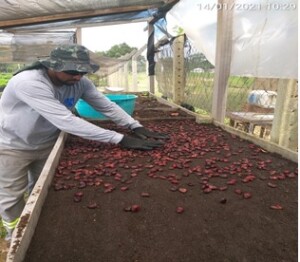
[265, 34]
[96, 21]
[22, 47]
[20, 9]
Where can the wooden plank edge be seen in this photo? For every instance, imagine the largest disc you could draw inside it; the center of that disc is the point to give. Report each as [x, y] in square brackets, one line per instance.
[267, 145]
[199, 118]
[25, 228]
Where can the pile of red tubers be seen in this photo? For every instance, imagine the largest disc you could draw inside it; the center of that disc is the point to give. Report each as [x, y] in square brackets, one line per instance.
[204, 152]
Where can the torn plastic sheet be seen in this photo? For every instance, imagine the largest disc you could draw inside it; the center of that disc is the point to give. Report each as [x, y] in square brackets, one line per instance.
[265, 34]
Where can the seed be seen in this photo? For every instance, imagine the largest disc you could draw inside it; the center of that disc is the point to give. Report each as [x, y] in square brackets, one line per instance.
[207, 190]
[58, 187]
[231, 182]
[247, 195]
[76, 199]
[127, 209]
[272, 185]
[179, 210]
[81, 185]
[78, 194]
[173, 189]
[223, 188]
[108, 190]
[276, 207]
[182, 190]
[145, 194]
[238, 191]
[135, 208]
[92, 205]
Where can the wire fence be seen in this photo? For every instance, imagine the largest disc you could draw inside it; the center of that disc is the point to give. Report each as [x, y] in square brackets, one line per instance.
[197, 94]
[251, 102]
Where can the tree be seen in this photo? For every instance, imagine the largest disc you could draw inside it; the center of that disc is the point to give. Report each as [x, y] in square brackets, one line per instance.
[120, 50]
[199, 61]
[117, 51]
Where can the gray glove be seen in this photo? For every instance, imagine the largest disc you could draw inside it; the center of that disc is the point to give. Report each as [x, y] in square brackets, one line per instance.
[144, 133]
[136, 143]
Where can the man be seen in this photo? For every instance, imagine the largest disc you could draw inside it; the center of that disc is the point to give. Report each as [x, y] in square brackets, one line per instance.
[36, 105]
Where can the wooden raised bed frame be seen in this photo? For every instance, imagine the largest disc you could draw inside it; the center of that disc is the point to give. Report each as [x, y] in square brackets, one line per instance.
[29, 218]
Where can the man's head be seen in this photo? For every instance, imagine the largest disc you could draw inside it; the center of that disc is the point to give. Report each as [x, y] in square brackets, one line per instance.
[73, 58]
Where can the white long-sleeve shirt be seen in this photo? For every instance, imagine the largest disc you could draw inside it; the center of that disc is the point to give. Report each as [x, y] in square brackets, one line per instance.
[33, 111]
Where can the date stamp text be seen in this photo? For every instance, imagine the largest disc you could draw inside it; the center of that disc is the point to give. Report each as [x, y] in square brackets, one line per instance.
[274, 6]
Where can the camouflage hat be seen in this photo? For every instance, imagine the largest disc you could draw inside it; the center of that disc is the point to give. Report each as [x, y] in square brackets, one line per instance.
[70, 58]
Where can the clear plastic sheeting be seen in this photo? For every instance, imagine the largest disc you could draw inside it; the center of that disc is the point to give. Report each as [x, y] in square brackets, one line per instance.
[20, 9]
[128, 17]
[265, 34]
[26, 48]
[110, 65]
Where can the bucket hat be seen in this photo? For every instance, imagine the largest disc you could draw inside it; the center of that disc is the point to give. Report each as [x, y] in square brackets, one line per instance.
[71, 57]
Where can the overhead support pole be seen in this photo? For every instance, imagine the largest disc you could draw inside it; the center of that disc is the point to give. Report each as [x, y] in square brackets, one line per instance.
[78, 35]
[150, 58]
[223, 60]
[134, 67]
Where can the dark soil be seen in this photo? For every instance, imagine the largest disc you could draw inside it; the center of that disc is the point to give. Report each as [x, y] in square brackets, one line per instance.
[239, 201]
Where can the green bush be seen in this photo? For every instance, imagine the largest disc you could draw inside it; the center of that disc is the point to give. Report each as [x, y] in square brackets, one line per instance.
[4, 78]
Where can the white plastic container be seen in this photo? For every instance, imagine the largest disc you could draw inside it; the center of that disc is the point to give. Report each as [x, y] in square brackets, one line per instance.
[262, 98]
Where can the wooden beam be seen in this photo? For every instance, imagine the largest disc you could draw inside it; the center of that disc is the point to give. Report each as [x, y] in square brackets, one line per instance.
[178, 70]
[267, 145]
[72, 15]
[223, 60]
[22, 235]
[285, 124]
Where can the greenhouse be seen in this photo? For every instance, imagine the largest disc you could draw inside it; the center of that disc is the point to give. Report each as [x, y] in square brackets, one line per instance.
[220, 78]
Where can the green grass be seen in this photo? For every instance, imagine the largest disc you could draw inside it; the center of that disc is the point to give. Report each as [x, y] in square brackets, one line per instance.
[2, 230]
[4, 78]
[199, 92]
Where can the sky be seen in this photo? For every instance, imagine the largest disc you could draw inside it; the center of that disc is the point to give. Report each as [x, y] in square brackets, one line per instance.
[104, 37]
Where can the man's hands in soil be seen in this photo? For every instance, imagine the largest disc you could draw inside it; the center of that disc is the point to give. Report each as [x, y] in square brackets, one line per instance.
[137, 143]
[144, 133]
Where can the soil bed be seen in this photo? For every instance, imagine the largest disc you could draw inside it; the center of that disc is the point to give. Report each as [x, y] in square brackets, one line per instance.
[239, 201]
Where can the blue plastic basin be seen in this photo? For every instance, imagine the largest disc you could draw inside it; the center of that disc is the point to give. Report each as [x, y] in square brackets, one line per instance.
[127, 102]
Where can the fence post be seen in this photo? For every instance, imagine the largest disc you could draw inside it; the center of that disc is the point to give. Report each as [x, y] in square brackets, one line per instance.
[178, 70]
[125, 76]
[78, 35]
[285, 124]
[134, 67]
[223, 60]
[151, 77]
[134, 73]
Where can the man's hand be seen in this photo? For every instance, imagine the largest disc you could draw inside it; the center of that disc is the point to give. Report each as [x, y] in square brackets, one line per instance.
[136, 143]
[144, 133]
